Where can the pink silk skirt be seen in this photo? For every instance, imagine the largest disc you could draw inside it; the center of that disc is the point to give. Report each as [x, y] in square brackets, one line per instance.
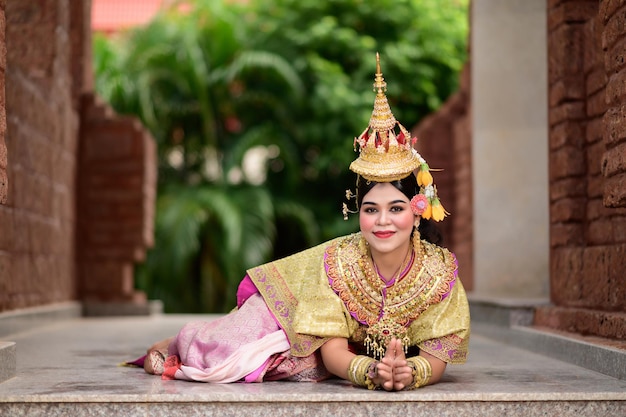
[245, 345]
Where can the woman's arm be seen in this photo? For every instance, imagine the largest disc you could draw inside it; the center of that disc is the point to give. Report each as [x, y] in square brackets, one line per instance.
[337, 357]
[437, 365]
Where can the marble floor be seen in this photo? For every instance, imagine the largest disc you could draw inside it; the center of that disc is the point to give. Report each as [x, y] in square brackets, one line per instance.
[76, 361]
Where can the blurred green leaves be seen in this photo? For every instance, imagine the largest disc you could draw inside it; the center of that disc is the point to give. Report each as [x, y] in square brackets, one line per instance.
[254, 108]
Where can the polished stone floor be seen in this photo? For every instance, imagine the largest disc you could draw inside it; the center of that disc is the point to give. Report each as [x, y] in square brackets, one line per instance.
[76, 361]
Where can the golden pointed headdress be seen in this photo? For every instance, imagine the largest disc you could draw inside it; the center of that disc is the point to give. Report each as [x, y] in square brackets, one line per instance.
[386, 154]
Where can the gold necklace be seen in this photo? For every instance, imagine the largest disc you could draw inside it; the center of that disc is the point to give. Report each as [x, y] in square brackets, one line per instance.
[353, 278]
[380, 333]
[402, 268]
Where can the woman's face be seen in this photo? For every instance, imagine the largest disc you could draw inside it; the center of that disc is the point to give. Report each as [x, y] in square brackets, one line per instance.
[386, 219]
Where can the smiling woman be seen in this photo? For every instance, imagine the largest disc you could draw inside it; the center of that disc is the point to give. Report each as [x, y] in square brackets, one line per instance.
[387, 223]
[382, 308]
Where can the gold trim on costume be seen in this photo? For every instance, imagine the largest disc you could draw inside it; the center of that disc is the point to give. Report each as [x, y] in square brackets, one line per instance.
[361, 290]
[283, 305]
[450, 348]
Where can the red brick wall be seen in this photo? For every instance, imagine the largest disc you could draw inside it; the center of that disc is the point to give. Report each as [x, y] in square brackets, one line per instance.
[37, 223]
[587, 170]
[55, 162]
[612, 17]
[3, 116]
[445, 141]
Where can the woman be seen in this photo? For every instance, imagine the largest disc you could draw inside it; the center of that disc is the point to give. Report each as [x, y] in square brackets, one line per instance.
[396, 256]
[382, 308]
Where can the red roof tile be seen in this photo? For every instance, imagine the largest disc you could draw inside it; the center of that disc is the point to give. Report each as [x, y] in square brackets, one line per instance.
[113, 15]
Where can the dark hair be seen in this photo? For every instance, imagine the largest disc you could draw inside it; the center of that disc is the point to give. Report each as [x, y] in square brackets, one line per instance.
[407, 186]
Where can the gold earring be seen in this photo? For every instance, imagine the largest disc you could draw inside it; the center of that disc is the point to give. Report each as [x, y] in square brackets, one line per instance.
[416, 237]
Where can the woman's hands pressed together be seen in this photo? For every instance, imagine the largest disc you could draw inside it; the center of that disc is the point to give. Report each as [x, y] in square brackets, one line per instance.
[392, 372]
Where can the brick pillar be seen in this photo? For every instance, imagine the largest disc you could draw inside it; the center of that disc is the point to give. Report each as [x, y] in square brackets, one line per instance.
[3, 115]
[587, 110]
[115, 205]
[614, 158]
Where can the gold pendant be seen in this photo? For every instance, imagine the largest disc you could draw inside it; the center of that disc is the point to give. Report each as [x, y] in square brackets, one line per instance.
[379, 335]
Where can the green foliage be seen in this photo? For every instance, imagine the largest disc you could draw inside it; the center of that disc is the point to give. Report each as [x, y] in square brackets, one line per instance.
[332, 44]
[282, 83]
[204, 234]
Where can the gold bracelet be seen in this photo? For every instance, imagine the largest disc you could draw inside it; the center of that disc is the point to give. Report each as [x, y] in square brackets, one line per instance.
[359, 371]
[422, 371]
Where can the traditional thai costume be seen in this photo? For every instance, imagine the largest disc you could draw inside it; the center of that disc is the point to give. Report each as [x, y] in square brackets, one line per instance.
[288, 308]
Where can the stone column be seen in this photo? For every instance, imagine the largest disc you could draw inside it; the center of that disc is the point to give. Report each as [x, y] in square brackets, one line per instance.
[510, 148]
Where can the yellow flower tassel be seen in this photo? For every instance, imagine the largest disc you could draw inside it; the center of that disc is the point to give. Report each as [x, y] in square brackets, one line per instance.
[438, 212]
[427, 212]
[424, 178]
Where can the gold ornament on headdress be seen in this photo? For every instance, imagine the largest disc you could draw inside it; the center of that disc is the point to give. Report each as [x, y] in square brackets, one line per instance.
[386, 154]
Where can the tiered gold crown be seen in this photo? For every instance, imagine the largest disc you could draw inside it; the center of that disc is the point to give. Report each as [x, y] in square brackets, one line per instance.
[386, 154]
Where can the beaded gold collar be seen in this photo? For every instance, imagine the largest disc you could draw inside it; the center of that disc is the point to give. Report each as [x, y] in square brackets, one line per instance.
[387, 311]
